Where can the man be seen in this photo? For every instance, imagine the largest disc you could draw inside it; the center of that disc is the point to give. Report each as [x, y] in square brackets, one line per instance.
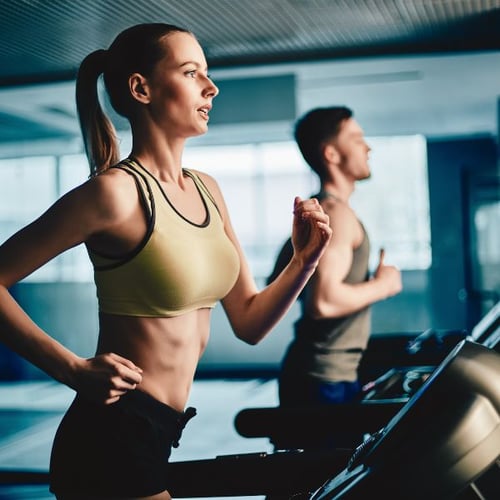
[321, 363]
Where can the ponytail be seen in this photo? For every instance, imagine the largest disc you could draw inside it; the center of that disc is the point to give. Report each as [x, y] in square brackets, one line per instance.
[99, 135]
[136, 50]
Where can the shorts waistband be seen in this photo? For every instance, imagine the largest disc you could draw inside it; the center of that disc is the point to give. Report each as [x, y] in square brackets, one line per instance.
[138, 398]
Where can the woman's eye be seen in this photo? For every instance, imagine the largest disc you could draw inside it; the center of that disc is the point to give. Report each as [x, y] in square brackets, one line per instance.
[191, 73]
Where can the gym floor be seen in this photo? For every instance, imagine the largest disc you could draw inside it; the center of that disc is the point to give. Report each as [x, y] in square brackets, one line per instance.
[30, 412]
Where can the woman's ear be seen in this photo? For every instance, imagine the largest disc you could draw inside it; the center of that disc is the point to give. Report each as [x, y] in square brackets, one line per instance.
[138, 87]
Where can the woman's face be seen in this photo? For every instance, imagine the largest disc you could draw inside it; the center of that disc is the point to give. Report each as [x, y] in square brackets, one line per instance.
[181, 91]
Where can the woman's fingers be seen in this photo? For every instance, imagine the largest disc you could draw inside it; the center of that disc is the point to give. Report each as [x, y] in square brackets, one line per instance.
[107, 377]
[127, 370]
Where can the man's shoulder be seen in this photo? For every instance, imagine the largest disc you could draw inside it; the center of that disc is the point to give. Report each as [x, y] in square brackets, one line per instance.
[339, 210]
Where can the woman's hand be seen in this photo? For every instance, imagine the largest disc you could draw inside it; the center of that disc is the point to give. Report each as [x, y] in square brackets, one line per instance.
[106, 377]
[311, 231]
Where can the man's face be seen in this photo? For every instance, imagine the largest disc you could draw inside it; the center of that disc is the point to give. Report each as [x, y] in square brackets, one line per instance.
[353, 150]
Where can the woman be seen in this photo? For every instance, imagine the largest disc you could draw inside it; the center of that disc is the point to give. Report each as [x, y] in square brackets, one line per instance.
[164, 252]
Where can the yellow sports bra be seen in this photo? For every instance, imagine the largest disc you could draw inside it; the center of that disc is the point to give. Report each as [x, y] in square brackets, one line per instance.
[178, 267]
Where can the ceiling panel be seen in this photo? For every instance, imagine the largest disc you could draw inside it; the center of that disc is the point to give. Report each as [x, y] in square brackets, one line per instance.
[11, 126]
[355, 47]
[46, 40]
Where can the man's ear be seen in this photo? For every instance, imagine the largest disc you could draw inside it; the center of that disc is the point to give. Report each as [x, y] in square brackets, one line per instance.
[138, 87]
[331, 153]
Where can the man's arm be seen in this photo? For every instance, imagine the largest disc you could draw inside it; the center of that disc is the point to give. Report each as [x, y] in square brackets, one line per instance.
[328, 296]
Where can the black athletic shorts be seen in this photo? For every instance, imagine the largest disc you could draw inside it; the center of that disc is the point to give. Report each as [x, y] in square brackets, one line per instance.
[117, 450]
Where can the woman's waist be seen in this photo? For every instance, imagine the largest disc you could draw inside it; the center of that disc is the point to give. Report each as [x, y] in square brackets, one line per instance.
[172, 390]
[157, 337]
[166, 352]
[195, 319]
[166, 374]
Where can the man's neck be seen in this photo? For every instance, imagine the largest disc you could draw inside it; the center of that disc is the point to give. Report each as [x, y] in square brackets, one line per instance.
[326, 194]
[332, 191]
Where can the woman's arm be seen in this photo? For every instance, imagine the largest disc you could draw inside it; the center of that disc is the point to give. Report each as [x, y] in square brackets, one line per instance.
[70, 221]
[253, 313]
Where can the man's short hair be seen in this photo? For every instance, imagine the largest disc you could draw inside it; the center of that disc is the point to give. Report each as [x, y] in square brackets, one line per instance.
[317, 127]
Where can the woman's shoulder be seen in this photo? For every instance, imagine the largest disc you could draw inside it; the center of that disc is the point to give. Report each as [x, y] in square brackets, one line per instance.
[107, 194]
[109, 185]
[211, 187]
[208, 180]
[201, 175]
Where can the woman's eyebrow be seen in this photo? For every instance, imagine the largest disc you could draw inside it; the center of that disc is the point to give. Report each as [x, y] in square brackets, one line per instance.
[197, 64]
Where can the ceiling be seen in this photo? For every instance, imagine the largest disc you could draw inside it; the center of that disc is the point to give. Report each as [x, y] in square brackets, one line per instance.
[43, 43]
[46, 40]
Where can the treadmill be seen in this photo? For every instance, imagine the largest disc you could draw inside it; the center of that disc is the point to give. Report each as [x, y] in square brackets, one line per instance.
[443, 444]
[380, 399]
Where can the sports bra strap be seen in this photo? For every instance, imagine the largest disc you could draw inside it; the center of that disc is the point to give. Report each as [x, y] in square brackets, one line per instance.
[148, 203]
[203, 187]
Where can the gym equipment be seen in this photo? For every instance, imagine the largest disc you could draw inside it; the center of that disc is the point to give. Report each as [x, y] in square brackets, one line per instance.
[414, 359]
[280, 474]
[445, 438]
[444, 443]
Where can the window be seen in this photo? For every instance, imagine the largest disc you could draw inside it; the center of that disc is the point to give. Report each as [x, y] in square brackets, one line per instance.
[259, 182]
[28, 186]
[394, 203]
[27, 189]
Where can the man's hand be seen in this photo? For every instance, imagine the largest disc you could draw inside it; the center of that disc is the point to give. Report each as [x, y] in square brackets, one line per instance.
[389, 275]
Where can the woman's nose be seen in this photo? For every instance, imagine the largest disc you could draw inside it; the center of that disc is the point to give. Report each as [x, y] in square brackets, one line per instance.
[212, 89]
